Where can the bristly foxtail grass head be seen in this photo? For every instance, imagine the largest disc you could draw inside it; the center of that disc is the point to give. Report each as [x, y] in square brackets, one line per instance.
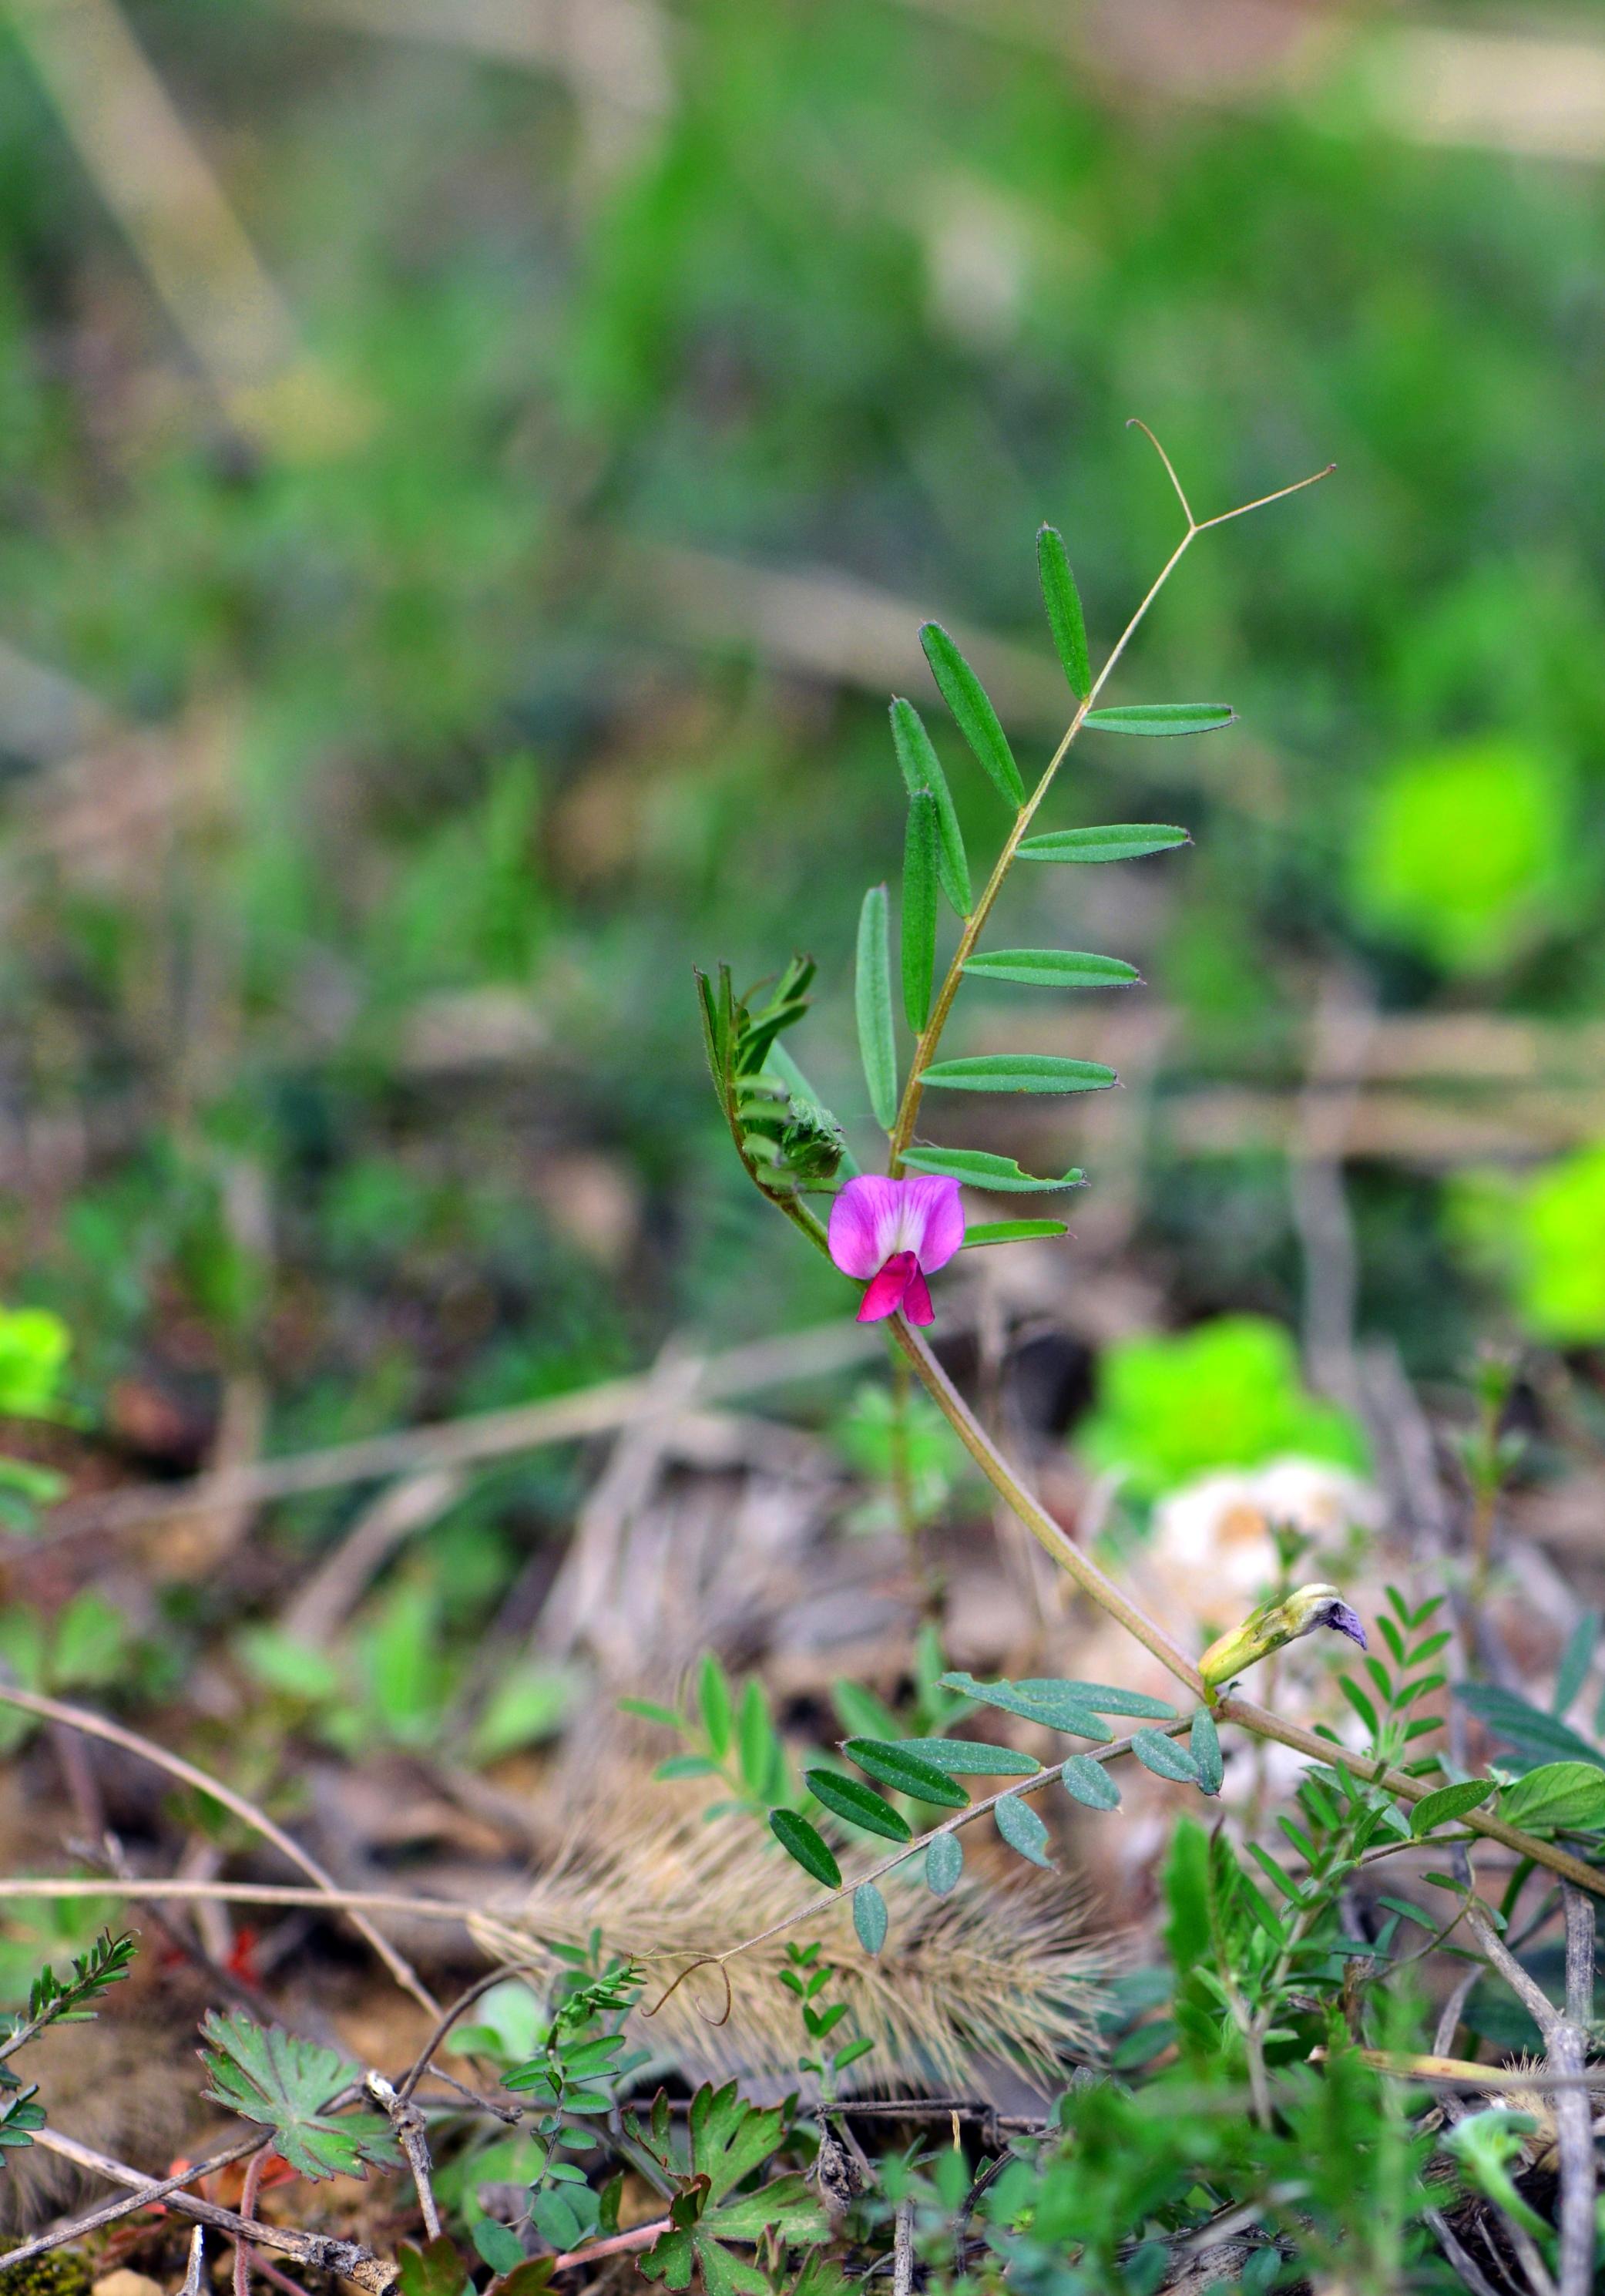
[991, 1970]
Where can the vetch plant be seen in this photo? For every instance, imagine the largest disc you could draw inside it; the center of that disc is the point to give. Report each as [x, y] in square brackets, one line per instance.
[891, 1232]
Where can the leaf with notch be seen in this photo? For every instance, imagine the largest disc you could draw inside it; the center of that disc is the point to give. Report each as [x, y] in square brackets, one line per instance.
[922, 772]
[729, 2140]
[1125, 841]
[973, 714]
[274, 2078]
[1054, 968]
[1062, 601]
[1019, 1072]
[846, 1798]
[977, 1167]
[904, 1772]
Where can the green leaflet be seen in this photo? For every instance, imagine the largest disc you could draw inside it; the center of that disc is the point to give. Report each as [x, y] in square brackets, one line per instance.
[922, 770]
[1165, 1758]
[971, 1757]
[1088, 1782]
[1568, 1796]
[1104, 1698]
[972, 713]
[904, 1772]
[1059, 1705]
[1123, 840]
[812, 1852]
[919, 921]
[1020, 1072]
[873, 994]
[1022, 1829]
[978, 1167]
[1054, 968]
[846, 1798]
[1163, 718]
[870, 1916]
[1063, 603]
[1204, 1743]
[943, 1863]
[1450, 1803]
[1010, 1232]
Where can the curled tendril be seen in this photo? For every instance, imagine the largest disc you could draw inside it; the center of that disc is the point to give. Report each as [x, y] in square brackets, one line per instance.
[705, 1961]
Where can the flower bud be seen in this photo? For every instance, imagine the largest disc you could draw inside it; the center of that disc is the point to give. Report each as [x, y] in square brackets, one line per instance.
[1274, 1626]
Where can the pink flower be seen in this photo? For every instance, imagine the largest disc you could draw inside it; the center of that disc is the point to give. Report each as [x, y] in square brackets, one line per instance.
[891, 1234]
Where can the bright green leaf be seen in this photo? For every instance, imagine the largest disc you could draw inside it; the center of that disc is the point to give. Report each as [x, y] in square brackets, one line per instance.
[999, 1176]
[846, 1798]
[1020, 1072]
[1011, 1232]
[973, 714]
[922, 771]
[1163, 718]
[1450, 1803]
[1126, 840]
[904, 1772]
[873, 992]
[1063, 601]
[1557, 1797]
[918, 924]
[1054, 968]
[801, 1842]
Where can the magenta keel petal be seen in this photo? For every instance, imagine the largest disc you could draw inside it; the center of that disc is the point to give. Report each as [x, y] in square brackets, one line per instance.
[886, 1291]
[916, 1301]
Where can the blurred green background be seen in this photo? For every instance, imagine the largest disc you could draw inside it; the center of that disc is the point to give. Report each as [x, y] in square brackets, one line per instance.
[472, 473]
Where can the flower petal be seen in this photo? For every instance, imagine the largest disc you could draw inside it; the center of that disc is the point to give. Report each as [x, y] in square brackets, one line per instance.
[886, 1291]
[933, 1219]
[863, 1221]
[916, 1301]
